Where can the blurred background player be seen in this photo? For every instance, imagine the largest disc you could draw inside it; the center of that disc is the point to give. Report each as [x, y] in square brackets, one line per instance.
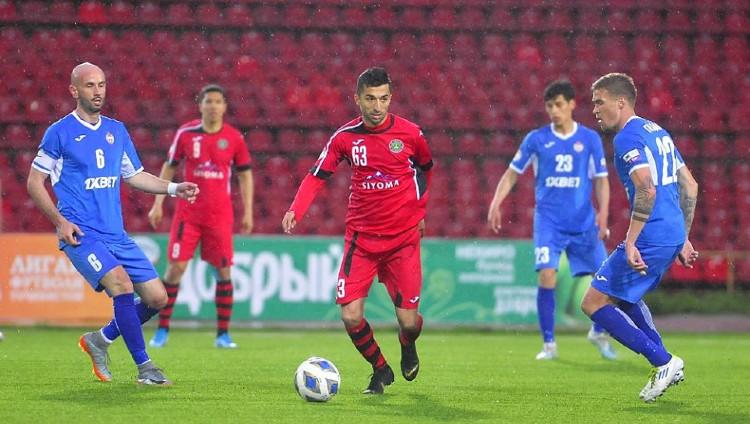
[390, 164]
[662, 195]
[566, 157]
[210, 147]
[87, 155]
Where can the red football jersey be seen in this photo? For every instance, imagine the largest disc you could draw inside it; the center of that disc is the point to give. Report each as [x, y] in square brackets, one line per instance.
[389, 185]
[208, 162]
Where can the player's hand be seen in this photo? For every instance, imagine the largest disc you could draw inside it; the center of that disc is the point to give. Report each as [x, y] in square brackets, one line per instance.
[634, 258]
[67, 231]
[155, 215]
[601, 222]
[421, 227]
[688, 255]
[289, 222]
[188, 191]
[247, 223]
[495, 218]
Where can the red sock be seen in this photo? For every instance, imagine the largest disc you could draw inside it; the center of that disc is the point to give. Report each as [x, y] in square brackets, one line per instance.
[364, 341]
[410, 337]
[166, 313]
[224, 302]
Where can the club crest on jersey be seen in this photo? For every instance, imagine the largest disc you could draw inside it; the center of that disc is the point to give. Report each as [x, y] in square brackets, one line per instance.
[396, 145]
[110, 138]
[223, 143]
[578, 146]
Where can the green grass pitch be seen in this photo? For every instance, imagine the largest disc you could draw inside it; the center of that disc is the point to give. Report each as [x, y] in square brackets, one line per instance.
[465, 377]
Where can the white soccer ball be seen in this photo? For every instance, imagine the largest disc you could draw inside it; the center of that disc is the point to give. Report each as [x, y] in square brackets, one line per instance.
[317, 379]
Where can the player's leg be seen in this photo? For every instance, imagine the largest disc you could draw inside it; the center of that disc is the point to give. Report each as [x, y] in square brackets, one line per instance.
[400, 270]
[183, 240]
[93, 260]
[151, 294]
[586, 253]
[224, 298]
[549, 244]
[640, 314]
[217, 249]
[354, 280]
[617, 281]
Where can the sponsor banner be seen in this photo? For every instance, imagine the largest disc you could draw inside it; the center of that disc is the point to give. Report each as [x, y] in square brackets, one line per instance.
[292, 279]
[473, 282]
[38, 284]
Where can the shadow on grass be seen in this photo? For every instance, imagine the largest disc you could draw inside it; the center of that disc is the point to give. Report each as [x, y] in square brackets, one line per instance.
[606, 367]
[690, 411]
[124, 394]
[418, 407]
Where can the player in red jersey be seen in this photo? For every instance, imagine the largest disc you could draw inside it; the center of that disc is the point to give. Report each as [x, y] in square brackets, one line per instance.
[391, 165]
[209, 148]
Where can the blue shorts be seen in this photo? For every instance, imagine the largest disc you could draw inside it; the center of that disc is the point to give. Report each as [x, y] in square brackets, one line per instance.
[585, 251]
[617, 279]
[95, 257]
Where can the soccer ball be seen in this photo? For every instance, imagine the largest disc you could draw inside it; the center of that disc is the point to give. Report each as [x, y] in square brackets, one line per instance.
[317, 379]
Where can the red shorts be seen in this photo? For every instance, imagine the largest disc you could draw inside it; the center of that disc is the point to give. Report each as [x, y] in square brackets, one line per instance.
[394, 259]
[216, 241]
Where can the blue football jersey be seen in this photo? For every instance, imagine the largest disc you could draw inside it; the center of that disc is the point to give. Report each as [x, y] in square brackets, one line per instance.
[642, 143]
[564, 169]
[85, 163]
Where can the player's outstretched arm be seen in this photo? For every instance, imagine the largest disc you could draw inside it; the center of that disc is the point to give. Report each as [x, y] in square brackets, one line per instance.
[494, 215]
[66, 230]
[643, 205]
[306, 193]
[247, 188]
[601, 191]
[156, 213]
[152, 184]
[688, 201]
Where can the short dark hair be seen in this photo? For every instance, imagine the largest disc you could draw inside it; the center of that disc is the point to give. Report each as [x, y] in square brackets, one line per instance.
[372, 77]
[617, 84]
[210, 88]
[560, 87]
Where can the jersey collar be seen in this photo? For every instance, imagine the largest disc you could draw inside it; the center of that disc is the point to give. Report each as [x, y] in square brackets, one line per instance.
[564, 137]
[90, 126]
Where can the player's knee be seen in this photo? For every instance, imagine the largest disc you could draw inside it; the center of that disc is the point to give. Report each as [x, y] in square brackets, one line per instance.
[548, 278]
[590, 304]
[158, 301]
[351, 319]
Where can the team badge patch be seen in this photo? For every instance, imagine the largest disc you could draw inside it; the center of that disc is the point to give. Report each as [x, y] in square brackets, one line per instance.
[110, 138]
[631, 156]
[223, 143]
[578, 146]
[396, 145]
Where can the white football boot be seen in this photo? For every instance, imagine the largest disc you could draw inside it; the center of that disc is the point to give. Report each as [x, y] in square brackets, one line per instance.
[549, 351]
[601, 341]
[663, 377]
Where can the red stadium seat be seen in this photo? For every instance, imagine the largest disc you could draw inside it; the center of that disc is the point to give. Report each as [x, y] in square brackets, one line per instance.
[121, 12]
[89, 12]
[149, 12]
[472, 18]
[238, 15]
[33, 11]
[179, 14]
[443, 18]
[737, 22]
[7, 11]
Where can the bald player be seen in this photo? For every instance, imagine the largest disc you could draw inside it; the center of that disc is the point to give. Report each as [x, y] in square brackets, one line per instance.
[86, 156]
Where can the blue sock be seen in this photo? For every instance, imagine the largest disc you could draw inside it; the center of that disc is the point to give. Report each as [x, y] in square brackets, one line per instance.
[625, 331]
[111, 332]
[129, 325]
[641, 316]
[545, 307]
[597, 328]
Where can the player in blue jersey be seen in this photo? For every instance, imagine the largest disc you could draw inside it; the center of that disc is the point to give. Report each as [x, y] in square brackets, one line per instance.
[87, 155]
[568, 162]
[662, 194]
